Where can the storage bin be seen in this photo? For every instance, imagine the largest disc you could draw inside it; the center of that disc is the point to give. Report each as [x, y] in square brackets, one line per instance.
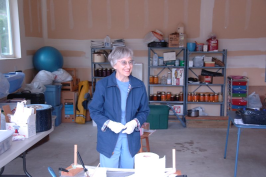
[15, 80]
[239, 91]
[239, 102]
[238, 107]
[52, 94]
[239, 83]
[239, 95]
[58, 113]
[158, 117]
[253, 116]
[239, 87]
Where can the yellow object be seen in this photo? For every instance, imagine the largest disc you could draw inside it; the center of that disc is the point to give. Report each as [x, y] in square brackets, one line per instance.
[80, 111]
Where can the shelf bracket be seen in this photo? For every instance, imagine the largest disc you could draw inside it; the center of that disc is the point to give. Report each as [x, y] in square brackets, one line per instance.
[182, 122]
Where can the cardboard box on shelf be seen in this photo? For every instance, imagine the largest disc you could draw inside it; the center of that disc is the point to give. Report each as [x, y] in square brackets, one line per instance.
[168, 56]
[177, 76]
[217, 80]
[173, 40]
[178, 109]
[205, 79]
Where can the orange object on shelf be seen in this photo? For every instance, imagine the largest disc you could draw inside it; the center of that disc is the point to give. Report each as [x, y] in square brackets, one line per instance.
[211, 98]
[189, 97]
[181, 97]
[202, 98]
[209, 64]
[154, 97]
[216, 98]
[155, 80]
[168, 96]
[151, 80]
[207, 97]
[163, 97]
[194, 97]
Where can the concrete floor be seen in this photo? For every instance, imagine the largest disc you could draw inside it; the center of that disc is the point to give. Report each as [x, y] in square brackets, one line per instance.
[199, 151]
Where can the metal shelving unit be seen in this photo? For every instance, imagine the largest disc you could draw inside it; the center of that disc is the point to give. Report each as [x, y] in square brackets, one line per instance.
[209, 86]
[179, 51]
[94, 66]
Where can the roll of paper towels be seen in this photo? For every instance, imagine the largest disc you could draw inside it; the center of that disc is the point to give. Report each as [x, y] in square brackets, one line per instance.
[149, 164]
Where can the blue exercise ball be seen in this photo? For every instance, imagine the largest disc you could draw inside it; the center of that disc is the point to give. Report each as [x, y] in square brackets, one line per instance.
[48, 58]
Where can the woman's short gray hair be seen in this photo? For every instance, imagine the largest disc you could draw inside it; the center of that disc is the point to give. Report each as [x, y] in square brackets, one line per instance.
[119, 53]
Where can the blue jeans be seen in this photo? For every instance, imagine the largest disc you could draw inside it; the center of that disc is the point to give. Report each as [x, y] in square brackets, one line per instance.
[121, 157]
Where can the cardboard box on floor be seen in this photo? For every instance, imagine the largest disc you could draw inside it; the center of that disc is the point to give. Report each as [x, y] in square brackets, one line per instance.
[68, 100]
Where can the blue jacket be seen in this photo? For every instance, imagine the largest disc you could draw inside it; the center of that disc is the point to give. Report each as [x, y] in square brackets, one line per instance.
[106, 105]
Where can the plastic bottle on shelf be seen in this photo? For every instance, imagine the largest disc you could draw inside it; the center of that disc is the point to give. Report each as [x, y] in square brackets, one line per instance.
[107, 41]
[169, 78]
[155, 60]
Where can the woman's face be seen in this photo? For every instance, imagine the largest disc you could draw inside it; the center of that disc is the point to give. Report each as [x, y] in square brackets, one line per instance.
[124, 67]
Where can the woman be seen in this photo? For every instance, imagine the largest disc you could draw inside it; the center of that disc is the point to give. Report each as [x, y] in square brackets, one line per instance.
[119, 107]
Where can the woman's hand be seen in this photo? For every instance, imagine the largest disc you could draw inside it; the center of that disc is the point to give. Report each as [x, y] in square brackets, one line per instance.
[130, 126]
[115, 126]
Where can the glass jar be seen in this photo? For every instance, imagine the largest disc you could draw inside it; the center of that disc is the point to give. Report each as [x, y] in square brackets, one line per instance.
[104, 72]
[168, 96]
[155, 80]
[169, 78]
[177, 98]
[163, 80]
[172, 98]
[159, 92]
[163, 96]
[202, 99]
[151, 79]
[96, 72]
[181, 97]
[207, 97]
[216, 99]
[109, 72]
[194, 97]
[198, 97]
[211, 97]
[100, 72]
[159, 97]
[220, 97]
[154, 97]
[189, 97]
[151, 97]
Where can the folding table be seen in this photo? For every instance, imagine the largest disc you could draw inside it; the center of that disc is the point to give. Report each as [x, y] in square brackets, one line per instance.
[232, 117]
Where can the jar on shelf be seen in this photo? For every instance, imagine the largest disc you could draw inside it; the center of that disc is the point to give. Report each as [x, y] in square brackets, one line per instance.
[198, 97]
[154, 97]
[207, 97]
[168, 96]
[202, 99]
[216, 98]
[100, 72]
[104, 72]
[169, 78]
[220, 97]
[159, 97]
[181, 97]
[96, 72]
[177, 97]
[211, 97]
[151, 97]
[163, 96]
[189, 97]
[163, 80]
[155, 80]
[172, 98]
[151, 80]
[109, 72]
[194, 97]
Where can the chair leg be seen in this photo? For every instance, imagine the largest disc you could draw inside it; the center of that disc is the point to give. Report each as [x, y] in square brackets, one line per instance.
[147, 144]
[141, 150]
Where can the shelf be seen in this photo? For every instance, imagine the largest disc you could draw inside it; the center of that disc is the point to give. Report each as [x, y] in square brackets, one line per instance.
[206, 67]
[167, 66]
[107, 48]
[167, 102]
[206, 84]
[205, 103]
[208, 52]
[163, 85]
[167, 48]
[106, 63]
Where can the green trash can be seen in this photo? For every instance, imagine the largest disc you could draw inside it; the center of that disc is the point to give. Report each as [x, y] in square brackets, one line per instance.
[158, 117]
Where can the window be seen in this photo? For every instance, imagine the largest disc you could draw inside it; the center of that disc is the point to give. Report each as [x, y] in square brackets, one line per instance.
[5, 29]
